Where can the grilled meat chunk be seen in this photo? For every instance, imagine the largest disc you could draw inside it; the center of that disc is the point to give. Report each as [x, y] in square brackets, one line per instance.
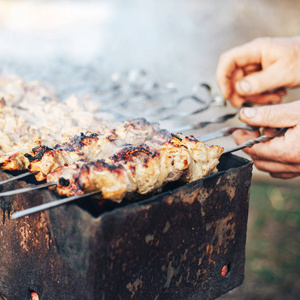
[139, 169]
[31, 115]
[95, 146]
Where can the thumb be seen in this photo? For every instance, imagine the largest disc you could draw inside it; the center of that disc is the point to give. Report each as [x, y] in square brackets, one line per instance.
[259, 82]
[276, 116]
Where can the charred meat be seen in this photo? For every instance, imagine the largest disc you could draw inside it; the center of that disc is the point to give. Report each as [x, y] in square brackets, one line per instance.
[139, 169]
[95, 146]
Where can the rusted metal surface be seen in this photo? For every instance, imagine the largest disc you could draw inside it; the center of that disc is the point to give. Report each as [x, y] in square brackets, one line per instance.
[186, 243]
[30, 259]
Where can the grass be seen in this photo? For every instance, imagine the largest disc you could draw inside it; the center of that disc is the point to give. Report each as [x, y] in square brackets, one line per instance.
[273, 245]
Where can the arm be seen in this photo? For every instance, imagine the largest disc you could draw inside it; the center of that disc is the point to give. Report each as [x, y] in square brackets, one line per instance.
[259, 71]
[280, 156]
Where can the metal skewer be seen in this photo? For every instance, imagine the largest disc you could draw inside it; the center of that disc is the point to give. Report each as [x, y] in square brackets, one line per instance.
[224, 132]
[52, 204]
[196, 97]
[16, 177]
[27, 189]
[216, 120]
[261, 139]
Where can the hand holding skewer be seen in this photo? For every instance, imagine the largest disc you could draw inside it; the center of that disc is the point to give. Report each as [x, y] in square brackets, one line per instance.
[259, 72]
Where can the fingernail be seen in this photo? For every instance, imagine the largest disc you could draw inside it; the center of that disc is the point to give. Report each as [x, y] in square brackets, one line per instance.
[244, 86]
[249, 112]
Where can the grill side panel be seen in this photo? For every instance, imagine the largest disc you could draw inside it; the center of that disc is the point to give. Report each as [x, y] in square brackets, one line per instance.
[176, 245]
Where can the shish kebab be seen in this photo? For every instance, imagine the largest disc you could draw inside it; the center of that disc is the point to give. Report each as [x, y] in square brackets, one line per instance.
[145, 168]
[59, 202]
[137, 157]
[34, 116]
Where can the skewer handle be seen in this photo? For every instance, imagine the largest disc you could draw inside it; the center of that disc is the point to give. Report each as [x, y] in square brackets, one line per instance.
[261, 139]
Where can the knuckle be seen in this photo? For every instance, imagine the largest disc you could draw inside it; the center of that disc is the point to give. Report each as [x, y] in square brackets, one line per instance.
[253, 154]
[223, 58]
[236, 102]
[267, 115]
[257, 40]
[260, 41]
[220, 78]
[291, 157]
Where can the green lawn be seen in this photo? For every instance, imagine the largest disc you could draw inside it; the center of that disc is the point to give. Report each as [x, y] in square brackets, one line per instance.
[273, 244]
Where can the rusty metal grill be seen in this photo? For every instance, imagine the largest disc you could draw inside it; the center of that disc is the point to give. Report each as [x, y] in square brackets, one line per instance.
[185, 243]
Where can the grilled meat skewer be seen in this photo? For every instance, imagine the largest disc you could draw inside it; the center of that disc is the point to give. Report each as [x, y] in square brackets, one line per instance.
[143, 169]
[94, 146]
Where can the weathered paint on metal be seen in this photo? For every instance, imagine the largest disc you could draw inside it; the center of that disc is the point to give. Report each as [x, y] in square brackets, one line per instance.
[171, 246]
[175, 245]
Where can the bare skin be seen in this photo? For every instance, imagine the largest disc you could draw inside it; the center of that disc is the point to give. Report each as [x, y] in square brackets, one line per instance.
[256, 70]
[280, 156]
[259, 72]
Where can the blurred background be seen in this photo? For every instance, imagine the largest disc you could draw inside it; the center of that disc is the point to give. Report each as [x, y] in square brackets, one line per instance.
[79, 46]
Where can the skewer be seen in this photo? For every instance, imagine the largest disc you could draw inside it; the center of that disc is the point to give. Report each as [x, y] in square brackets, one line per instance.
[184, 114]
[27, 189]
[216, 120]
[52, 204]
[199, 125]
[196, 97]
[224, 132]
[16, 177]
[48, 205]
[261, 139]
[206, 103]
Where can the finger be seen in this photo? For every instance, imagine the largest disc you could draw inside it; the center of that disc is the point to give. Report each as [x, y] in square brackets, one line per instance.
[276, 167]
[269, 131]
[241, 56]
[241, 137]
[259, 151]
[282, 115]
[252, 68]
[280, 149]
[260, 82]
[266, 98]
[284, 175]
[235, 99]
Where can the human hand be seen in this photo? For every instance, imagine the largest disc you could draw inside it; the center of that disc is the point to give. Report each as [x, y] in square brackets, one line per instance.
[259, 71]
[281, 155]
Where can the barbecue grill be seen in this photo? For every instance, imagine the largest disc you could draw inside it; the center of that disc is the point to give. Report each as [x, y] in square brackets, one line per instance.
[188, 242]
